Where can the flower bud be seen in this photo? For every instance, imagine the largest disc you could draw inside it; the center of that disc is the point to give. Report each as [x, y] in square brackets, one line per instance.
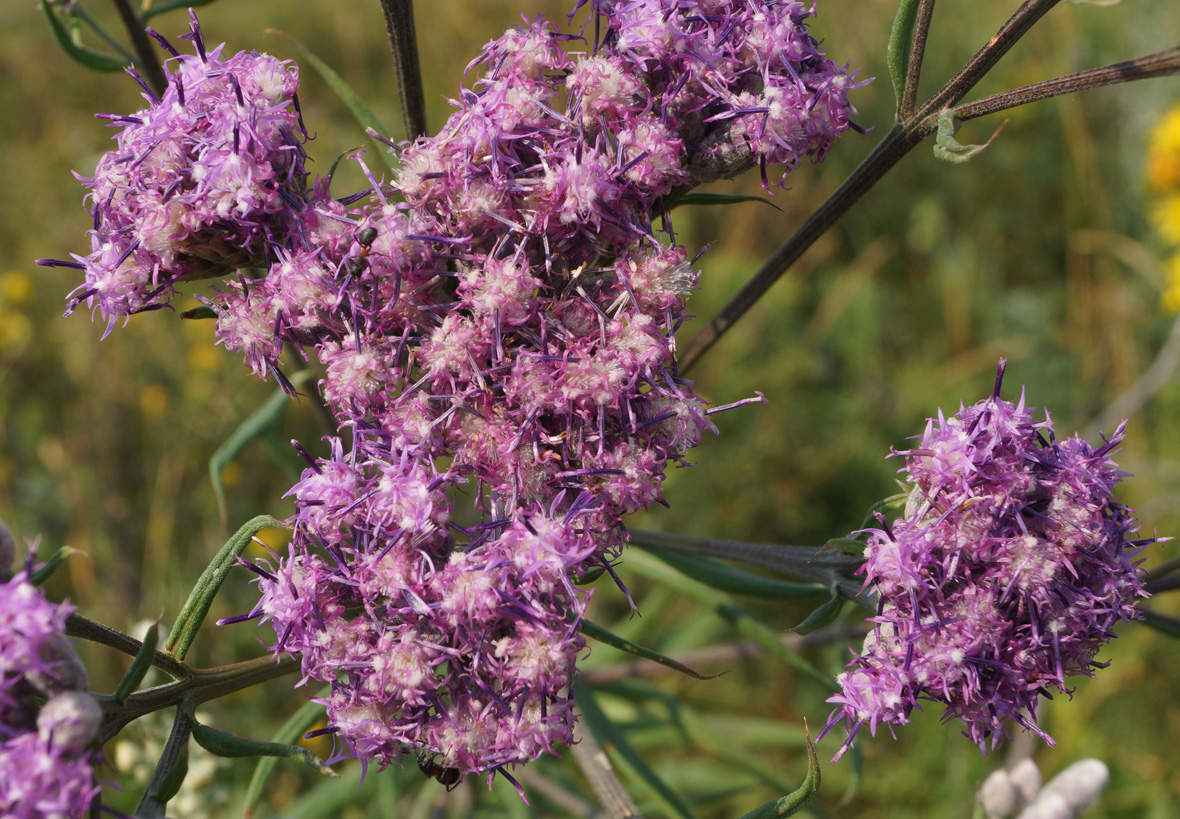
[68, 673]
[998, 795]
[1027, 778]
[69, 721]
[1070, 792]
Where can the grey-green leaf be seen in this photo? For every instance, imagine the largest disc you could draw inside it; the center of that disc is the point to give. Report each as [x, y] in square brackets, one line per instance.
[94, 60]
[722, 199]
[290, 732]
[140, 665]
[225, 744]
[822, 616]
[603, 636]
[200, 599]
[363, 113]
[795, 801]
[901, 41]
[263, 420]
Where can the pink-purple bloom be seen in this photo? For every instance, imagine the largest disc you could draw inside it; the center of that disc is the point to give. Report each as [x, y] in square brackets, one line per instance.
[1007, 574]
[496, 322]
[44, 751]
[202, 181]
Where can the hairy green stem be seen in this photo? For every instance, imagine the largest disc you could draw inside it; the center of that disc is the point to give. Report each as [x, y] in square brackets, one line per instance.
[399, 24]
[913, 72]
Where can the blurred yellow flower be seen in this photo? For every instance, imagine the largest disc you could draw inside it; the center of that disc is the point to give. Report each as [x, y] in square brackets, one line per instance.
[1166, 217]
[1163, 152]
[153, 400]
[1171, 296]
[16, 287]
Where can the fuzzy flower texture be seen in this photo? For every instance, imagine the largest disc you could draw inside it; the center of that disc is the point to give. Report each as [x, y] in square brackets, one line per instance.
[45, 751]
[1006, 576]
[497, 321]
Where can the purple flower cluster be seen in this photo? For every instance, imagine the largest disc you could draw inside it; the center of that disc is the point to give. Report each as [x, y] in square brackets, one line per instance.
[203, 180]
[496, 321]
[1007, 574]
[44, 755]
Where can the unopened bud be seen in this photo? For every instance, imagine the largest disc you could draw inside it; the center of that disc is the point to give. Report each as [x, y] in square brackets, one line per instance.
[68, 672]
[70, 721]
[998, 796]
[1027, 778]
[1070, 792]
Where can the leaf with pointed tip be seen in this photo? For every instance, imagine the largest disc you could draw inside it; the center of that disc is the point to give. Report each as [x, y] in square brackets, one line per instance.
[189, 621]
[793, 802]
[170, 5]
[726, 578]
[264, 420]
[140, 665]
[225, 744]
[295, 727]
[721, 199]
[901, 42]
[94, 60]
[822, 616]
[42, 573]
[201, 312]
[363, 113]
[608, 735]
[603, 636]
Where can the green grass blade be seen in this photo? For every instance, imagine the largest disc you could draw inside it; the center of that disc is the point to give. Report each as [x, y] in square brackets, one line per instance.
[363, 113]
[609, 735]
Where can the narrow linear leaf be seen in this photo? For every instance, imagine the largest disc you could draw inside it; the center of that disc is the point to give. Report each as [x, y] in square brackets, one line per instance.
[948, 149]
[295, 727]
[189, 621]
[726, 578]
[610, 738]
[170, 770]
[364, 115]
[263, 420]
[740, 619]
[603, 636]
[901, 41]
[201, 312]
[793, 802]
[225, 744]
[44, 572]
[140, 665]
[822, 616]
[94, 60]
[1161, 622]
[171, 5]
[721, 199]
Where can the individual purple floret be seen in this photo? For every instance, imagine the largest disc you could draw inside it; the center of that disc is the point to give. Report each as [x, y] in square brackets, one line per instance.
[44, 756]
[1007, 574]
[202, 180]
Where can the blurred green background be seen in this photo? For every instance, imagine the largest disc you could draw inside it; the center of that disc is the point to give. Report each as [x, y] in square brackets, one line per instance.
[1039, 251]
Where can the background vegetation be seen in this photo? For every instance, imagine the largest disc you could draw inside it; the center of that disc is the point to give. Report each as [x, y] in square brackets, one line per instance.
[1039, 251]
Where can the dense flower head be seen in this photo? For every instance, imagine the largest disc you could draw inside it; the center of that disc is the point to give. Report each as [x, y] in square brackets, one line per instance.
[44, 754]
[1006, 575]
[497, 321]
[202, 180]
